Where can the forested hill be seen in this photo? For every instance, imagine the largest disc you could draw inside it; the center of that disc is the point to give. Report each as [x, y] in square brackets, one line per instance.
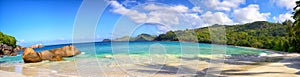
[260, 34]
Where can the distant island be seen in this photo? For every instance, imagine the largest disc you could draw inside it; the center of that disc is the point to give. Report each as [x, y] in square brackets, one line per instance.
[141, 37]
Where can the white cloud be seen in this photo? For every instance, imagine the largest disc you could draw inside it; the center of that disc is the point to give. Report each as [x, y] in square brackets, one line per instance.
[283, 17]
[132, 14]
[249, 14]
[174, 17]
[222, 5]
[118, 8]
[130, 3]
[197, 9]
[177, 8]
[21, 41]
[288, 4]
[210, 18]
[168, 17]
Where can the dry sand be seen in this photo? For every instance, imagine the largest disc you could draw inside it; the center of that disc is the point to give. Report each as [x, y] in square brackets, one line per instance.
[275, 65]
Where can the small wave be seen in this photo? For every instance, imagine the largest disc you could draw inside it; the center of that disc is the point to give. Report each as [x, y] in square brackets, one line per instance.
[82, 53]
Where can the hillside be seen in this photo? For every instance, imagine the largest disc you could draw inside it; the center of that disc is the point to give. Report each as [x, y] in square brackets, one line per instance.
[141, 37]
[260, 34]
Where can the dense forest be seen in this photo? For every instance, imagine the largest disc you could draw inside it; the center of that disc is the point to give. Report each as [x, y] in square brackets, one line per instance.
[7, 39]
[260, 34]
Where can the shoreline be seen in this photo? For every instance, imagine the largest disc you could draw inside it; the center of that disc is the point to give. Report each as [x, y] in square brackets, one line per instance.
[171, 61]
[144, 65]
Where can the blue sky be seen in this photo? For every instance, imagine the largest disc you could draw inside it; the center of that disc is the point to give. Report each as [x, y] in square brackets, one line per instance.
[51, 21]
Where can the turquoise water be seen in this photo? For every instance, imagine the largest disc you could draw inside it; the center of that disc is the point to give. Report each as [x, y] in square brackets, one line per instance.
[145, 48]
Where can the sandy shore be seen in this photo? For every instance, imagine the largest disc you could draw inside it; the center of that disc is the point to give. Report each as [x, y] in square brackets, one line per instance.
[275, 65]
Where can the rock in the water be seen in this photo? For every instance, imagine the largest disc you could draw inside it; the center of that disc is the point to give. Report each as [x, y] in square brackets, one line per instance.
[6, 50]
[70, 51]
[46, 55]
[18, 48]
[36, 46]
[56, 58]
[66, 51]
[30, 56]
[13, 54]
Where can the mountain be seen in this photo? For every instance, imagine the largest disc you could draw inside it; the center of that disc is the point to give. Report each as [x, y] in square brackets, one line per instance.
[141, 37]
[259, 34]
[106, 40]
[124, 38]
[144, 37]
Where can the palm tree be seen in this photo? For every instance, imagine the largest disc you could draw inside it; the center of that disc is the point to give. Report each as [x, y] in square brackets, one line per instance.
[294, 30]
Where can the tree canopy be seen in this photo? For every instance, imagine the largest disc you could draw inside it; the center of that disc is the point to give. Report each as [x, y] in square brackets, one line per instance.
[294, 30]
[7, 39]
[259, 34]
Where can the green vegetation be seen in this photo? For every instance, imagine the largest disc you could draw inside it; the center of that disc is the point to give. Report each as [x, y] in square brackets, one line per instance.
[294, 30]
[144, 37]
[276, 36]
[6, 39]
[169, 36]
[258, 34]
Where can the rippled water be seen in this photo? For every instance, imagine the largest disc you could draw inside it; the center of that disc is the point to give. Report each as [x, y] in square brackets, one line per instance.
[113, 58]
[102, 49]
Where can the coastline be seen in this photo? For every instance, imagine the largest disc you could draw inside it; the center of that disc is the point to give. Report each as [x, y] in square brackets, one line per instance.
[164, 65]
[143, 63]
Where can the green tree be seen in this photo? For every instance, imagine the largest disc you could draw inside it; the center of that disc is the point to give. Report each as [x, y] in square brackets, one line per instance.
[6, 39]
[294, 30]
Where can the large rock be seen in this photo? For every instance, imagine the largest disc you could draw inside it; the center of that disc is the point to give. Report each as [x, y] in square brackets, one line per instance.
[13, 54]
[18, 48]
[66, 51]
[6, 50]
[47, 55]
[70, 51]
[56, 58]
[30, 56]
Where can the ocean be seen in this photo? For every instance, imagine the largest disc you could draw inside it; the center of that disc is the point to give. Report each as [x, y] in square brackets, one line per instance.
[111, 56]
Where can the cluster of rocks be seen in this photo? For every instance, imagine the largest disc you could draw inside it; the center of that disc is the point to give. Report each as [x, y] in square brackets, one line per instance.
[30, 56]
[6, 50]
[36, 46]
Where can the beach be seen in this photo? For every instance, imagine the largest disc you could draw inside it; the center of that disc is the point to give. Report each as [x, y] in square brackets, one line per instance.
[278, 65]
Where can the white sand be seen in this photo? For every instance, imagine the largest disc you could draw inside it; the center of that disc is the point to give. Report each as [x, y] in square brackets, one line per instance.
[158, 65]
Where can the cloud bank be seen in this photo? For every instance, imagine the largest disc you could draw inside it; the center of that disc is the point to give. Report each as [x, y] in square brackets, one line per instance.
[174, 17]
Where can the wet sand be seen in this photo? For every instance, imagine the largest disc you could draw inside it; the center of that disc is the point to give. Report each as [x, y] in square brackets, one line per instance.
[275, 65]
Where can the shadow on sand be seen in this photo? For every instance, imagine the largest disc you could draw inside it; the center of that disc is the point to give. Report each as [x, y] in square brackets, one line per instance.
[293, 62]
[165, 69]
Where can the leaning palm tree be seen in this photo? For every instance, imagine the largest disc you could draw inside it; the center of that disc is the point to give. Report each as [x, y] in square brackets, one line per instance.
[294, 30]
[297, 14]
